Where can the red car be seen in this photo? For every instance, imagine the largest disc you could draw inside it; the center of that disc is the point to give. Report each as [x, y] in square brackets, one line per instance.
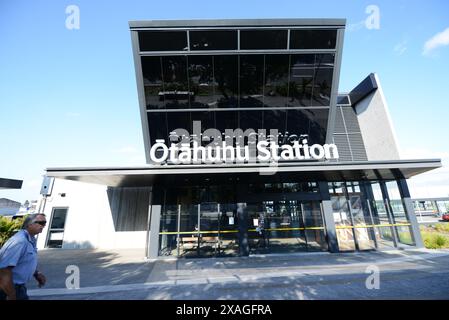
[445, 217]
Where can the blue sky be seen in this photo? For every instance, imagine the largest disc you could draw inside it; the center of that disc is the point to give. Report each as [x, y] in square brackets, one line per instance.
[68, 97]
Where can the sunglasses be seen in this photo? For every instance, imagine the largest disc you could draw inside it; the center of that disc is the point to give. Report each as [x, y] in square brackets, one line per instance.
[42, 223]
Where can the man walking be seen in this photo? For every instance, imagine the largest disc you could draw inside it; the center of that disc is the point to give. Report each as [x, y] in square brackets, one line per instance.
[18, 260]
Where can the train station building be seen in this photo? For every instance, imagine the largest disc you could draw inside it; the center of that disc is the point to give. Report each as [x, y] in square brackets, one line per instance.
[250, 148]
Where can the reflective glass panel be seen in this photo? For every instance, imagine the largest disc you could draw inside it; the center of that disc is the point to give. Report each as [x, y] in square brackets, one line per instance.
[162, 40]
[226, 78]
[168, 229]
[274, 119]
[263, 39]
[226, 120]
[313, 39]
[157, 123]
[324, 69]
[276, 80]
[152, 82]
[302, 73]
[314, 226]
[251, 80]
[176, 88]
[310, 122]
[384, 232]
[201, 82]
[213, 40]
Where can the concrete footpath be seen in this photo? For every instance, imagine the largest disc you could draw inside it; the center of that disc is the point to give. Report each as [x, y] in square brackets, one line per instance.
[125, 274]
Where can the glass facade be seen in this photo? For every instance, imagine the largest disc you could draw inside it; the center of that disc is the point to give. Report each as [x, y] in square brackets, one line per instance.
[312, 123]
[238, 81]
[203, 221]
[247, 78]
[366, 218]
[259, 78]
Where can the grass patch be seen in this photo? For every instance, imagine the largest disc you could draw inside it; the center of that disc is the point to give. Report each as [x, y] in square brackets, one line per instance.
[442, 227]
[435, 236]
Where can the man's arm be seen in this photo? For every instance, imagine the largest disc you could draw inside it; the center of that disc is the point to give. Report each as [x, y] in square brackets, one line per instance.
[6, 283]
[40, 278]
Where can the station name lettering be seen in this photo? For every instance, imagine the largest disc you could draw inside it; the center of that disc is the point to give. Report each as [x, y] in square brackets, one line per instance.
[264, 151]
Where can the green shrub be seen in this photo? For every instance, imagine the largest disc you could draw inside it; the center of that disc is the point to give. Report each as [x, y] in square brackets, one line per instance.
[442, 227]
[433, 240]
[8, 228]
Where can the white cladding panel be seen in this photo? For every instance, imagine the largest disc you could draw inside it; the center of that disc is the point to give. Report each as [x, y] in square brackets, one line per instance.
[89, 222]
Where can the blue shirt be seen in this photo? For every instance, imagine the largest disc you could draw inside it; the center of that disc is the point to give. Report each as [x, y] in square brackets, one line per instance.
[20, 252]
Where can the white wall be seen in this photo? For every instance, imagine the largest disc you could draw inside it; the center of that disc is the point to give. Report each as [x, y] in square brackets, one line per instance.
[376, 126]
[89, 221]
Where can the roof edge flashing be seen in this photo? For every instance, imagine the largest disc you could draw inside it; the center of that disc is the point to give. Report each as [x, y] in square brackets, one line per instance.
[137, 24]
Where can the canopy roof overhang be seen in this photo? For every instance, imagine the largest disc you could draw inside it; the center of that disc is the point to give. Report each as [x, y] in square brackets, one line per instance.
[245, 173]
[10, 183]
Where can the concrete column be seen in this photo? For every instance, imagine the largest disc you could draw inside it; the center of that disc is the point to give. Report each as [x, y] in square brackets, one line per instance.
[408, 206]
[328, 215]
[155, 213]
[242, 215]
[330, 226]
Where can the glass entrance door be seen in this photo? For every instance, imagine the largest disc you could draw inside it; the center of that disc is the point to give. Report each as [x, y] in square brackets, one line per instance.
[209, 229]
[285, 226]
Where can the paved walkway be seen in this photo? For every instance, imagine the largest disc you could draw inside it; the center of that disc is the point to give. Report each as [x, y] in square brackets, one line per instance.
[113, 273]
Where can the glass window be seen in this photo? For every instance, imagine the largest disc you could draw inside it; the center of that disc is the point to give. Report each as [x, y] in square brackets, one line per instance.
[314, 224]
[384, 232]
[226, 78]
[276, 80]
[301, 80]
[179, 120]
[207, 119]
[56, 230]
[263, 39]
[213, 40]
[250, 120]
[157, 124]
[168, 227]
[152, 82]
[58, 218]
[226, 120]
[323, 79]
[176, 89]
[251, 80]
[313, 39]
[308, 122]
[162, 40]
[274, 119]
[286, 187]
[201, 82]
[343, 223]
[396, 204]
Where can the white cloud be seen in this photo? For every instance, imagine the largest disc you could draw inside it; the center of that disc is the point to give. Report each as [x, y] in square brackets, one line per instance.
[441, 39]
[400, 48]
